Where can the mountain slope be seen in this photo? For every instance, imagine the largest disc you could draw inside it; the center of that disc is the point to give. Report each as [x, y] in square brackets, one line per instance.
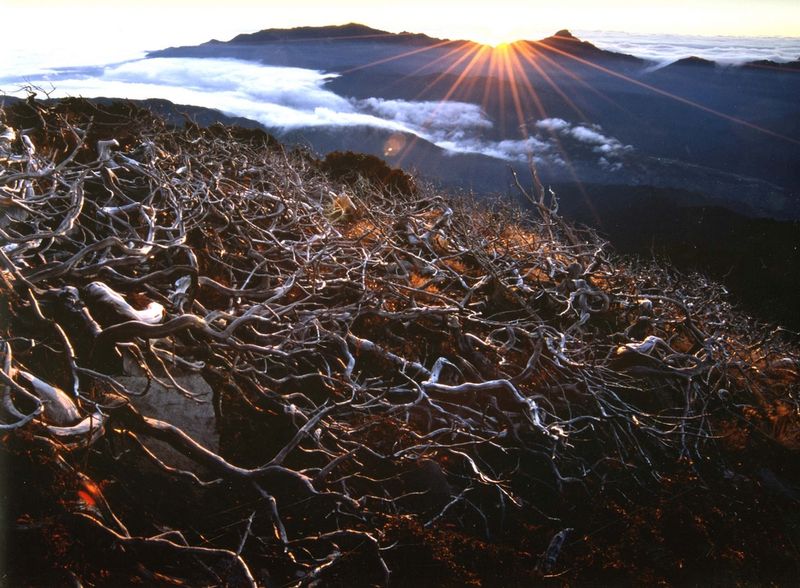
[694, 231]
[405, 388]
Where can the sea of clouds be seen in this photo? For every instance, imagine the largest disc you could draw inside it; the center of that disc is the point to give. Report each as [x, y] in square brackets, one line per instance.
[665, 49]
[284, 98]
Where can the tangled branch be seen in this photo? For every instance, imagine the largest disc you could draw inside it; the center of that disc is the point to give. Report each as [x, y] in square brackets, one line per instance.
[374, 354]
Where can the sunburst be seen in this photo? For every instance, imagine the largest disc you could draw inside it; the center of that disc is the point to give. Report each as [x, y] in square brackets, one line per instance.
[512, 75]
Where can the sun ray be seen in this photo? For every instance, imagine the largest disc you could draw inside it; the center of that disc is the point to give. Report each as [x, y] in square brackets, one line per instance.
[469, 87]
[666, 94]
[496, 74]
[522, 50]
[475, 53]
[451, 53]
[534, 96]
[521, 118]
[526, 84]
[398, 56]
[463, 75]
[514, 67]
[491, 68]
[538, 55]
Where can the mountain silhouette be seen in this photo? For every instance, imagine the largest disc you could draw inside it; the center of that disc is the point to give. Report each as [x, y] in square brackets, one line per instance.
[564, 41]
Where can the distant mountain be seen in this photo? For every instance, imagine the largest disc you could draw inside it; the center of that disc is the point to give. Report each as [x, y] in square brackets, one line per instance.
[323, 34]
[766, 63]
[692, 61]
[330, 48]
[566, 42]
[734, 122]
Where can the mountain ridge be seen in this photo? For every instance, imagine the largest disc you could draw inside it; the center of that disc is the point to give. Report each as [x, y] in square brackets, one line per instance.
[561, 40]
[324, 33]
[565, 41]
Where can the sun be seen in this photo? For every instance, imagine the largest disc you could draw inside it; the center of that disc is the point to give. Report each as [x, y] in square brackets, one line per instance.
[495, 37]
[495, 43]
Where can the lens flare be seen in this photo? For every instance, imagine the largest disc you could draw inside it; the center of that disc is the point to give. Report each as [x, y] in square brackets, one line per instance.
[394, 145]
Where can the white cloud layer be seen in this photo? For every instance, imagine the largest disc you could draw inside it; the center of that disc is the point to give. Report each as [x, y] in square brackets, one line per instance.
[278, 97]
[292, 98]
[669, 48]
[445, 116]
[610, 149]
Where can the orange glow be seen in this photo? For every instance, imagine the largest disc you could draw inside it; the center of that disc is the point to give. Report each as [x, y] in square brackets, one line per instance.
[86, 498]
[394, 145]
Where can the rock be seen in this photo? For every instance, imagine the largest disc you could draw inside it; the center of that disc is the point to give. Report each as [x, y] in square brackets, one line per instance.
[194, 416]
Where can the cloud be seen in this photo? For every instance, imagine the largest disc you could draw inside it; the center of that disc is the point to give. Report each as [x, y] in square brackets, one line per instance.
[665, 49]
[278, 97]
[443, 116]
[554, 142]
[610, 149]
[42, 59]
[285, 98]
[587, 135]
[458, 128]
[608, 146]
[609, 166]
[552, 124]
[509, 150]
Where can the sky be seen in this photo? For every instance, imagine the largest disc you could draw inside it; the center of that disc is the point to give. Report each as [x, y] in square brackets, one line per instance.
[96, 30]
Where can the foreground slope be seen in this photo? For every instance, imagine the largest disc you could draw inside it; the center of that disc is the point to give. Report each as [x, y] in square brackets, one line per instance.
[404, 388]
